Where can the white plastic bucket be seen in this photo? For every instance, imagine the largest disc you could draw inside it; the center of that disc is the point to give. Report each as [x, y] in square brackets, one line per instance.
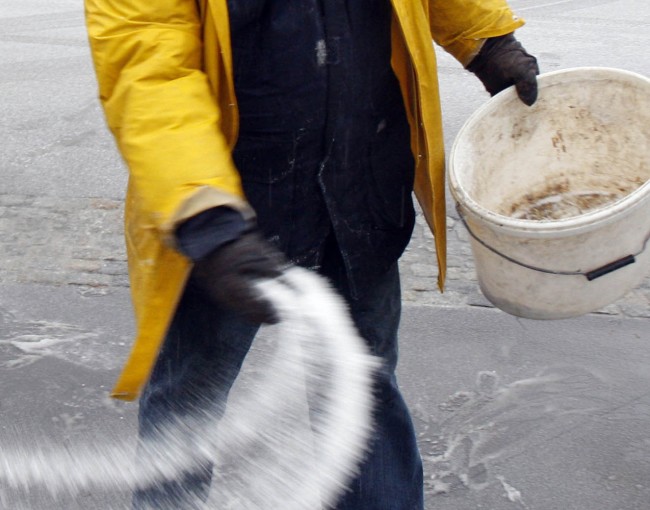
[556, 196]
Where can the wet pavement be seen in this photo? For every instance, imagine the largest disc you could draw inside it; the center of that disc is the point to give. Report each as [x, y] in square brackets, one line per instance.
[511, 413]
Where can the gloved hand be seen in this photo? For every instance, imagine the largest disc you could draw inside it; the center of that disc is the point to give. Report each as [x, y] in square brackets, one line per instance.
[503, 62]
[227, 274]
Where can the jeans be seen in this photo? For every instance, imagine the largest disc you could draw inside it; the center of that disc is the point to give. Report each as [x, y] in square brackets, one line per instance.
[204, 341]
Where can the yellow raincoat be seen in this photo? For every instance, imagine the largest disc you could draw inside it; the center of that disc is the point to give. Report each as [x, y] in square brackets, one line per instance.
[165, 78]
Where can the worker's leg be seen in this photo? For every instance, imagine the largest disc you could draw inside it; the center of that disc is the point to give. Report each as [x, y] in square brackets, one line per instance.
[199, 361]
[391, 475]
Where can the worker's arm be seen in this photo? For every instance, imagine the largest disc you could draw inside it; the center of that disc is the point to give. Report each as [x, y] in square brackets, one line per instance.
[480, 35]
[159, 106]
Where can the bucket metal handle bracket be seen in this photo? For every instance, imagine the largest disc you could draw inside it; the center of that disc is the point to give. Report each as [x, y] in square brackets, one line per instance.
[590, 275]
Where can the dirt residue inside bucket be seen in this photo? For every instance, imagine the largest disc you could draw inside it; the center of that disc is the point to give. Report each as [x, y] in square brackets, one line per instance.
[561, 200]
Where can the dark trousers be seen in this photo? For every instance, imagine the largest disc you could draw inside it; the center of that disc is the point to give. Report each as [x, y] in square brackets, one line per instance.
[204, 341]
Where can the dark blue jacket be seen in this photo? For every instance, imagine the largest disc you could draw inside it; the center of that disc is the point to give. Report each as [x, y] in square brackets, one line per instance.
[324, 142]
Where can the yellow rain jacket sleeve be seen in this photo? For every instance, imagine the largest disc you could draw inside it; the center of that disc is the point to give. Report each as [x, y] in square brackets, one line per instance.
[165, 78]
[160, 107]
[451, 30]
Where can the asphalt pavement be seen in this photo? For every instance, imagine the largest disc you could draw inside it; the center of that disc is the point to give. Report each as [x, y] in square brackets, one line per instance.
[511, 413]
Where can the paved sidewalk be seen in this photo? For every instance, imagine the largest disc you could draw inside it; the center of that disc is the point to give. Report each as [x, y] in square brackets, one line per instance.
[79, 241]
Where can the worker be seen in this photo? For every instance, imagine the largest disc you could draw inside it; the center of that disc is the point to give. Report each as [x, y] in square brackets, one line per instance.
[264, 133]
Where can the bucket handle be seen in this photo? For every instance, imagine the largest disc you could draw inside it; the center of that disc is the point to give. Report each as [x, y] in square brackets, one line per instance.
[590, 275]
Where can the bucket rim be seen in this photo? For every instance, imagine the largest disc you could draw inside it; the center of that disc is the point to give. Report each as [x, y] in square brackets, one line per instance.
[570, 225]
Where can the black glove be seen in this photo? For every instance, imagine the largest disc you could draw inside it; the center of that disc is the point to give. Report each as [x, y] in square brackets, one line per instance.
[227, 275]
[503, 62]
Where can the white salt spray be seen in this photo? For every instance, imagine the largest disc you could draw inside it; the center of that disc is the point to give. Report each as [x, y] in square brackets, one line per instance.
[271, 449]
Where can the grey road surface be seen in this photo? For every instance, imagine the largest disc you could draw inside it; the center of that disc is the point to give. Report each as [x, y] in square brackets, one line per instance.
[511, 413]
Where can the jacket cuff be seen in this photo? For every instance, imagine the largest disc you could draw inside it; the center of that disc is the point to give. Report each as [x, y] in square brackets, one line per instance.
[204, 198]
[471, 54]
[202, 234]
[464, 50]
